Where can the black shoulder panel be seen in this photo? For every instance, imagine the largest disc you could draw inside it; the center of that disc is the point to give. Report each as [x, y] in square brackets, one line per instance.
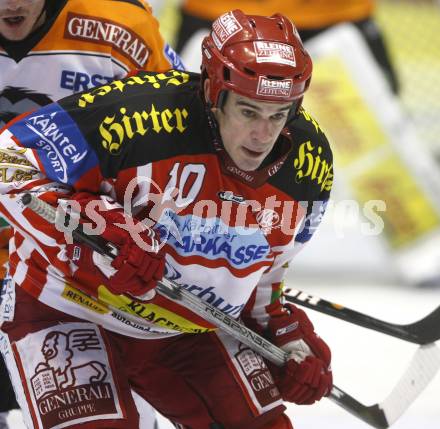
[143, 118]
[307, 173]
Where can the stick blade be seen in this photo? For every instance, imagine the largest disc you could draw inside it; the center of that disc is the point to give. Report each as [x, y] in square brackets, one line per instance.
[422, 369]
[420, 372]
[373, 415]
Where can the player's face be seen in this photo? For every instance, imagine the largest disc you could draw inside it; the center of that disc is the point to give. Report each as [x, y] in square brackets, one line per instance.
[250, 128]
[18, 18]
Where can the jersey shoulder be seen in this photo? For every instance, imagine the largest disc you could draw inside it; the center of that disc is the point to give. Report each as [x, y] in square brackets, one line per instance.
[125, 30]
[139, 3]
[142, 118]
[107, 7]
[307, 173]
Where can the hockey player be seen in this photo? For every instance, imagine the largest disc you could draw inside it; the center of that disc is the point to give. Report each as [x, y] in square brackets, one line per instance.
[215, 180]
[50, 49]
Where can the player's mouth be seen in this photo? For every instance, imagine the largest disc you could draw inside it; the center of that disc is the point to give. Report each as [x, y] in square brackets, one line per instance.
[253, 153]
[14, 21]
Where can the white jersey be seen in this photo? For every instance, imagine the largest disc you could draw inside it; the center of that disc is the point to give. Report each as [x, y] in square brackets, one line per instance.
[83, 43]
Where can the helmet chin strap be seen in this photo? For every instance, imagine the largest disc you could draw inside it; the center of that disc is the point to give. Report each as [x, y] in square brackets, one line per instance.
[43, 11]
[38, 24]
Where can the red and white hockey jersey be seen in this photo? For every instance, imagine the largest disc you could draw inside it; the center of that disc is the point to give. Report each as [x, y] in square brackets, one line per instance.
[227, 239]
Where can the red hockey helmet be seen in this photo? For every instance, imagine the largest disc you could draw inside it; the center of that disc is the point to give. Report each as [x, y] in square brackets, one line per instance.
[255, 56]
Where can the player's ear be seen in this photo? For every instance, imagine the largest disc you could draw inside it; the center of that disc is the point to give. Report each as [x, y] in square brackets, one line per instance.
[207, 93]
[206, 89]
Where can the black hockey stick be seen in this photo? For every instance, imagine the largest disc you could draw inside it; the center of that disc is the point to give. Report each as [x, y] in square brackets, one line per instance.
[422, 369]
[424, 331]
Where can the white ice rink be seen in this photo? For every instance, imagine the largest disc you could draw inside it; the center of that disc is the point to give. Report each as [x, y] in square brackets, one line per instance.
[366, 364]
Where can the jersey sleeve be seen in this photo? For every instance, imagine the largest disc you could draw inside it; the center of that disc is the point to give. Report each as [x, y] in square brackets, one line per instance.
[80, 144]
[43, 153]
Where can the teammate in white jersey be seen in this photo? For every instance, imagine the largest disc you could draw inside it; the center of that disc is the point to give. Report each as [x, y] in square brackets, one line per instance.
[215, 181]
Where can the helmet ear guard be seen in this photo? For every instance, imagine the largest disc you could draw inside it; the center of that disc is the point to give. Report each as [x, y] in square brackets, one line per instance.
[258, 57]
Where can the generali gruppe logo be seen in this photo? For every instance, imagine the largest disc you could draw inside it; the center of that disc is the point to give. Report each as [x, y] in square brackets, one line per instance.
[69, 376]
[257, 375]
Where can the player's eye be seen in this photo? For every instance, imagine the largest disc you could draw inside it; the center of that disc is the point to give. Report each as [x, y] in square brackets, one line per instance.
[279, 116]
[248, 113]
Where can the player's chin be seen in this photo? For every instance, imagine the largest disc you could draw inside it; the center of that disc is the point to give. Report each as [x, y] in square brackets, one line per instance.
[14, 30]
[251, 160]
[249, 165]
